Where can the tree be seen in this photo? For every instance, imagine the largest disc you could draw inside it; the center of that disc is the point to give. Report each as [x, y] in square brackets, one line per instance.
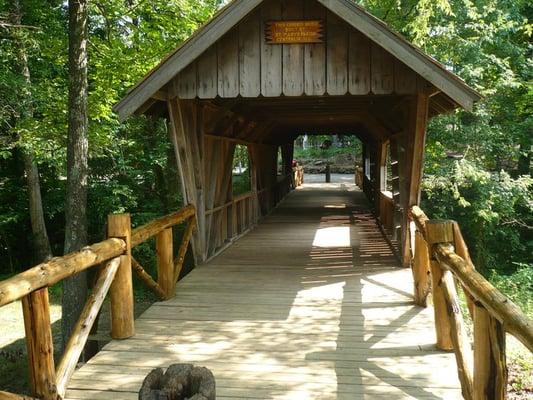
[40, 243]
[75, 288]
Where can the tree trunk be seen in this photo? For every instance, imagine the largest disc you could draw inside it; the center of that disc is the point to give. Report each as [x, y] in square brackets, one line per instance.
[40, 243]
[75, 288]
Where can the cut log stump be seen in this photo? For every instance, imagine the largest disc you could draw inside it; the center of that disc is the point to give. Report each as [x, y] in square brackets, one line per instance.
[179, 382]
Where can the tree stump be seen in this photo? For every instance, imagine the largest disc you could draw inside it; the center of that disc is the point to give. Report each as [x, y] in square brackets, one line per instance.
[179, 382]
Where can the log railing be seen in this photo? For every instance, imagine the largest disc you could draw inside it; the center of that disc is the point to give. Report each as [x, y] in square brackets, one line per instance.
[440, 255]
[115, 277]
[298, 176]
[359, 176]
[235, 217]
[232, 219]
[386, 210]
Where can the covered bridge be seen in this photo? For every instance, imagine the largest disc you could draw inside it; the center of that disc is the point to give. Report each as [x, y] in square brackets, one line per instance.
[310, 303]
[260, 73]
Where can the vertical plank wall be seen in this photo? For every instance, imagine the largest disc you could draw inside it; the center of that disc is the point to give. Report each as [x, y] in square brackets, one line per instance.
[241, 63]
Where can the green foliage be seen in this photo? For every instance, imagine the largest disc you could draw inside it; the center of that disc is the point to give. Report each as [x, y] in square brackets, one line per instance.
[241, 179]
[131, 165]
[491, 208]
[241, 184]
[517, 286]
[349, 144]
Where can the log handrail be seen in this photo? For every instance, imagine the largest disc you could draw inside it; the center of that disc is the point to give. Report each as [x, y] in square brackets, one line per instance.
[492, 312]
[31, 286]
[58, 268]
[498, 305]
[146, 231]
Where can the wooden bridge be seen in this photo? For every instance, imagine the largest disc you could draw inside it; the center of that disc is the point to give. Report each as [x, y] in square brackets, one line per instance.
[311, 304]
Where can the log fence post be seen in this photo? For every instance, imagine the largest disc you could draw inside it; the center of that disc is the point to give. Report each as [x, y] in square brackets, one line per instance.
[421, 272]
[121, 292]
[165, 262]
[490, 367]
[40, 345]
[438, 232]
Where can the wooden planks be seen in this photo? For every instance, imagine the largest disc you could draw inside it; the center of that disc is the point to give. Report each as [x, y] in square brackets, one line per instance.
[315, 55]
[271, 56]
[242, 63]
[208, 75]
[250, 56]
[228, 65]
[288, 312]
[337, 56]
[293, 54]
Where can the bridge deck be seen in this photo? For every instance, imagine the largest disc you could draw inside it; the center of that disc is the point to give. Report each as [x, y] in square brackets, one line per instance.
[309, 305]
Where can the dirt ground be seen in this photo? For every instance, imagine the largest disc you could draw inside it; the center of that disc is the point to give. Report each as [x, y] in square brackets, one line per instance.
[13, 354]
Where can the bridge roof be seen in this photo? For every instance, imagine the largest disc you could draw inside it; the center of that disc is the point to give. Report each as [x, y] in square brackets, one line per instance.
[229, 16]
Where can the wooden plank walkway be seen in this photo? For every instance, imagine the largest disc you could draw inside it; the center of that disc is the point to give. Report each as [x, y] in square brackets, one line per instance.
[310, 305]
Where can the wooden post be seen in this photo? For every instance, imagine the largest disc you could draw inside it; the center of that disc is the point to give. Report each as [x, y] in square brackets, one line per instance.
[165, 263]
[439, 232]
[411, 164]
[40, 345]
[490, 368]
[328, 173]
[122, 309]
[462, 251]
[460, 340]
[81, 331]
[178, 263]
[421, 272]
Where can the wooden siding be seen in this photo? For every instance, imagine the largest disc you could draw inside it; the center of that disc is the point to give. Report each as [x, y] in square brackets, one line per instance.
[241, 63]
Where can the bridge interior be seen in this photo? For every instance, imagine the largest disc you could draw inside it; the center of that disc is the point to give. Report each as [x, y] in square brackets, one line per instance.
[311, 304]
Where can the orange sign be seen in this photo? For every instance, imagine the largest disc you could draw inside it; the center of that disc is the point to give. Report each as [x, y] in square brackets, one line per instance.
[294, 32]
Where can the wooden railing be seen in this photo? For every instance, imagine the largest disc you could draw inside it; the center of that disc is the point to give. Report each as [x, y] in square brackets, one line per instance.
[233, 217]
[359, 177]
[115, 277]
[386, 210]
[440, 255]
[298, 176]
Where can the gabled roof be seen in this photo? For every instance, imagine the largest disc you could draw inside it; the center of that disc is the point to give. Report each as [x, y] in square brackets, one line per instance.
[229, 16]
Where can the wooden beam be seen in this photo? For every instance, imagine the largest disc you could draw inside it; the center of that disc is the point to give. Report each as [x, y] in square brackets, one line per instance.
[412, 165]
[490, 368]
[499, 306]
[40, 345]
[51, 272]
[145, 232]
[165, 264]
[421, 271]
[460, 340]
[122, 312]
[186, 137]
[147, 279]
[440, 232]
[81, 331]
[178, 262]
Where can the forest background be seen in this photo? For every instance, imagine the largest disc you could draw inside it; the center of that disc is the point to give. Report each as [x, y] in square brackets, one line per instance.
[131, 166]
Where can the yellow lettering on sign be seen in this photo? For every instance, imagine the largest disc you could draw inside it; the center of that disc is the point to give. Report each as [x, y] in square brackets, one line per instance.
[289, 32]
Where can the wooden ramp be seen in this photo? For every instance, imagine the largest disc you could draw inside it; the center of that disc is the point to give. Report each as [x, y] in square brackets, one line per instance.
[310, 305]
